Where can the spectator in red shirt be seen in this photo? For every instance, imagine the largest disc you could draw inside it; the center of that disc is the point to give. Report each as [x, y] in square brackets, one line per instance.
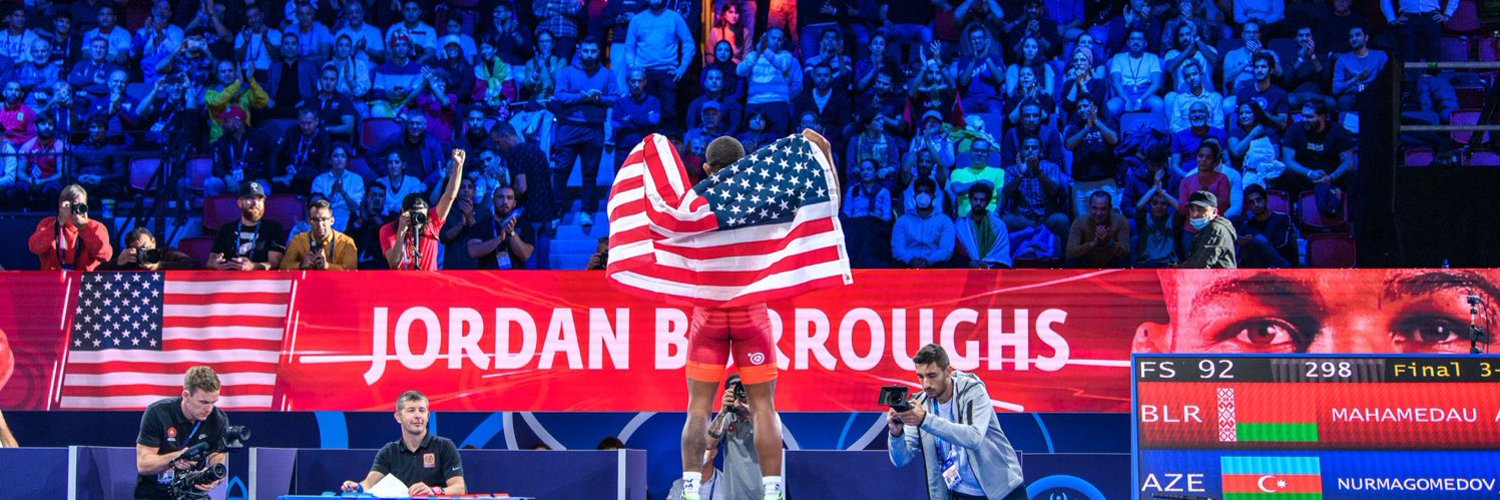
[71, 240]
[18, 118]
[38, 162]
[419, 251]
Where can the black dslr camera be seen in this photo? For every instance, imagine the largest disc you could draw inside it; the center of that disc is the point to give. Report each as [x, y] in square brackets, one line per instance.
[184, 485]
[895, 396]
[149, 255]
[80, 208]
[417, 218]
[739, 391]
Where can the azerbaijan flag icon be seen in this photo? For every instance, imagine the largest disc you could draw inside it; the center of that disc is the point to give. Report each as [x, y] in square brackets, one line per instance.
[1277, 478]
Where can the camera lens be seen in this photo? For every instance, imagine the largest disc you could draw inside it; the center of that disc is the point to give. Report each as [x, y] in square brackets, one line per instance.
[150, 256]
[80, 208]
[418, 217]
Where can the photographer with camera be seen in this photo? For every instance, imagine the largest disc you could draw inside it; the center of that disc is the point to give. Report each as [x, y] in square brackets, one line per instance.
[736, 429]
[411, 241]
[321, 247]
[952, 425]
[428, 464]
[71, 240]
[142, 254]
[182, 436]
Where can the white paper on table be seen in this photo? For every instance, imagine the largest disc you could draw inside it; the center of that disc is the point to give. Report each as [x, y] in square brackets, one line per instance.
[390, 487]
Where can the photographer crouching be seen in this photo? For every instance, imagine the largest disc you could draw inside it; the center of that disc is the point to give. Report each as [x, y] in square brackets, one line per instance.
[952, 425]
[181, 438]
[141, 253]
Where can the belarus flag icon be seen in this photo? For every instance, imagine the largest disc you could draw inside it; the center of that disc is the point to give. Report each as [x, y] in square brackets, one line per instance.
[1272, 477]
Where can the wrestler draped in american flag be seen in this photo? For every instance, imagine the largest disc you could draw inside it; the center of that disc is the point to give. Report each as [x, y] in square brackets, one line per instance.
[760, 227]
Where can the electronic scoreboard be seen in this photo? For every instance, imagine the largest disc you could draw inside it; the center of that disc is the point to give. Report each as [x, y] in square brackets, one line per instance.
[1316, 426]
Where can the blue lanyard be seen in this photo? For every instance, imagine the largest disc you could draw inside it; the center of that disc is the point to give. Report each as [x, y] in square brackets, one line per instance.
[944, 448]
[191, 433]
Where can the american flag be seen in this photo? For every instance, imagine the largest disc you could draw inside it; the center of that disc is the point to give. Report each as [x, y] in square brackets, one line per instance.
[761, 229]
[136, 333]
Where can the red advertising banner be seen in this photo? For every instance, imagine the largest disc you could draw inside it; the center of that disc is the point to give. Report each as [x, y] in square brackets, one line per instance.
[565, 341]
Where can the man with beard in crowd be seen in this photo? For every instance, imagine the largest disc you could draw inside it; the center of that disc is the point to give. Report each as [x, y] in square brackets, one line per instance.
[585, 93]
[252, 243]
[504, 240]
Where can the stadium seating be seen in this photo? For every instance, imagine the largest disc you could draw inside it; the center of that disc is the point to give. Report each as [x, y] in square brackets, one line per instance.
[1464, 117]
[1418, 157]
[373, 131]
[285, 208]
[218, 211]
[199, 169]
[1313, 221]
[1455, 48]
[1330, 250]
[1279, 201]
[141, 171]
[197, 247]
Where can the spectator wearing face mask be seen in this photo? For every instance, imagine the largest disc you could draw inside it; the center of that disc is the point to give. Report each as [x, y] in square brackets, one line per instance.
[1213, 243]
[923, 237]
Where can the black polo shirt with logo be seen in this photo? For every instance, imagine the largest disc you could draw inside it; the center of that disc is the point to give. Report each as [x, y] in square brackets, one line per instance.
[164, 427]
[433, 464]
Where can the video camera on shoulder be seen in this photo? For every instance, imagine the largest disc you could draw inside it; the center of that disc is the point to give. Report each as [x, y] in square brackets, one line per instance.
[896, 397]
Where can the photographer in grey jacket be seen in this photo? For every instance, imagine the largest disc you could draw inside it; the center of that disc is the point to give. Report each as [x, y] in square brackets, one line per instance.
[953, 429]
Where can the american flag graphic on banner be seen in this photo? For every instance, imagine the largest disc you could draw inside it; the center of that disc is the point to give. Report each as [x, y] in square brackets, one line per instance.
[136, 333]
[761, 229]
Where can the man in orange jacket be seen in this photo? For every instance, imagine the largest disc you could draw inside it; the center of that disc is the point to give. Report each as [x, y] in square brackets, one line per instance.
[71, 240]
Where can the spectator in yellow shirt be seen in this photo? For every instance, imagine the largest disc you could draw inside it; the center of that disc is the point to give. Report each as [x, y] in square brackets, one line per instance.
[322, 247]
